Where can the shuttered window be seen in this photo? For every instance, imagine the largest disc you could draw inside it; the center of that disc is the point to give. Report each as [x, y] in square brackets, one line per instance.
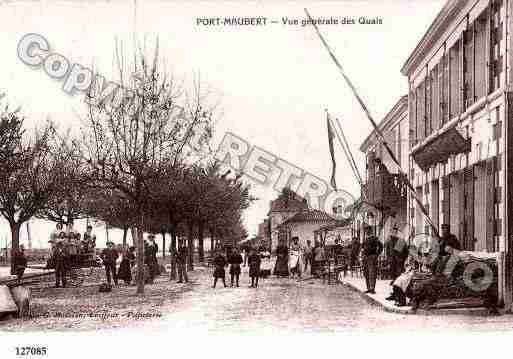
[444, 104]
[435, 112]
[468, 67]
[480, 58]
[455, 86]
[496, 34]
[427, 122]
[412, 115]
[421, 112]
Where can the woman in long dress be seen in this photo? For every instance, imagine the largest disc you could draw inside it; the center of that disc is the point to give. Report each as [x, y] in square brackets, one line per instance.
[281, 268]
[295, 258]
[125, 267]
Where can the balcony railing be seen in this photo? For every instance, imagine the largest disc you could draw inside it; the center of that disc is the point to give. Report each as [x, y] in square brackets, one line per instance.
[386, 190]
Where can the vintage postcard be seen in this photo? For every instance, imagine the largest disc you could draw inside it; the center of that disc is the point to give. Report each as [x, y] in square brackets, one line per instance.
[176, 173]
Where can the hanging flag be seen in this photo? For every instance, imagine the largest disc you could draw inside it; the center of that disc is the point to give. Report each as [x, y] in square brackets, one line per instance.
[331, 136]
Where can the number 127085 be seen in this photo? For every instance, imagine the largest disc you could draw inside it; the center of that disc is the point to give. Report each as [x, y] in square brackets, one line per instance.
[31, 351]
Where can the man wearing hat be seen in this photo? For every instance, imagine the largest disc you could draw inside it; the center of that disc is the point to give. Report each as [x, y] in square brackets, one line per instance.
[397, 252]
[448, 240]
[371, 249]
[59, 262]
[109, 256]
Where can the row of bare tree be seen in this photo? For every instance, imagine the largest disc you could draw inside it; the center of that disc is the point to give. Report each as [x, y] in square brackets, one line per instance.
[141, 162]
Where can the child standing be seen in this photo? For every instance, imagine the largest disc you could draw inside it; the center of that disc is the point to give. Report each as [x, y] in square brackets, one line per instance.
[254, 267]
[219, 264]
[235, 261]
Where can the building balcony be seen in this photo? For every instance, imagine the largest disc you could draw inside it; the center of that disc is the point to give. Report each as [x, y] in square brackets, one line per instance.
[386, 191]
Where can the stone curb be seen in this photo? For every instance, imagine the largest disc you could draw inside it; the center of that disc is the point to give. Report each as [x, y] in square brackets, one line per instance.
[479, 311]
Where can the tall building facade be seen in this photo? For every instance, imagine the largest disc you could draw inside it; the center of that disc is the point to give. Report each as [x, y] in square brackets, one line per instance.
[460, 129]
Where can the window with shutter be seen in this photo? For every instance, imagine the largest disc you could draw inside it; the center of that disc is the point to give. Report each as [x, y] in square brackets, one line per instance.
[444, 104]
[435, 99]
[455, 86]
[480, 57]
[496, 35]
[427, 117]
[412, 115]
[421, 112]
[468, 67]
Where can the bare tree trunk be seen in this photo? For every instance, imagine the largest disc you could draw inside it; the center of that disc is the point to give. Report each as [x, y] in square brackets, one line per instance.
[211, 241]
[125, 233]
[172, 250]
[190, 245]
[140, 256]
[201, 251]
[163, 244]
[15, 241]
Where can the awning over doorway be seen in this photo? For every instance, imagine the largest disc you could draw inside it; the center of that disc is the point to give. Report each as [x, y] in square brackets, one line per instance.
[440, 148]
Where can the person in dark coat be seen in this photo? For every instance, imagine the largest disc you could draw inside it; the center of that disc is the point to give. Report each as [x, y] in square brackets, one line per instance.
[150, 257]
[448, 240]
[254, 267]
[371, 249]
[281, 268]
[19, 262]
[355, 253]
[235, 261]
[397, 252]
[397, 249]
[181, 260]
[125, 267]
[219, 264]
[59, 261]
[109, 256]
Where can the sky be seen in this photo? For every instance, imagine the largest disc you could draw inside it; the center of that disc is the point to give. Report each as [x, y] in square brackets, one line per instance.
[273, 82]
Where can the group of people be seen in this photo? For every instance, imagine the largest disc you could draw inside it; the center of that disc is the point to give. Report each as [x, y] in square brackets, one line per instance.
[234, 260]
[403, 265]
[67, 247]
[294, 260]
[111, 254]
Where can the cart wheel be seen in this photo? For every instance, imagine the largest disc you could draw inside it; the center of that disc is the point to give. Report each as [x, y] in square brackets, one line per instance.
[76, 277]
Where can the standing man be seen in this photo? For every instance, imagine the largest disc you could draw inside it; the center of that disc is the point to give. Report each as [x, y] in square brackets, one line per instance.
[59, 261]
[397, 252]
[109, 257]
[235, 260]
[254, 262]
[372, 247]
[397, 249]
[181, 260]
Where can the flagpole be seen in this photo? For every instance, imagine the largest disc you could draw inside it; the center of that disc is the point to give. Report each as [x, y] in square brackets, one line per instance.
[351, 158]
[371, 119]
[355, 170]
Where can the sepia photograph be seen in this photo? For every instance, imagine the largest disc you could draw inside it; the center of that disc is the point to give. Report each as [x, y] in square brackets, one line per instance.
[216, 178]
